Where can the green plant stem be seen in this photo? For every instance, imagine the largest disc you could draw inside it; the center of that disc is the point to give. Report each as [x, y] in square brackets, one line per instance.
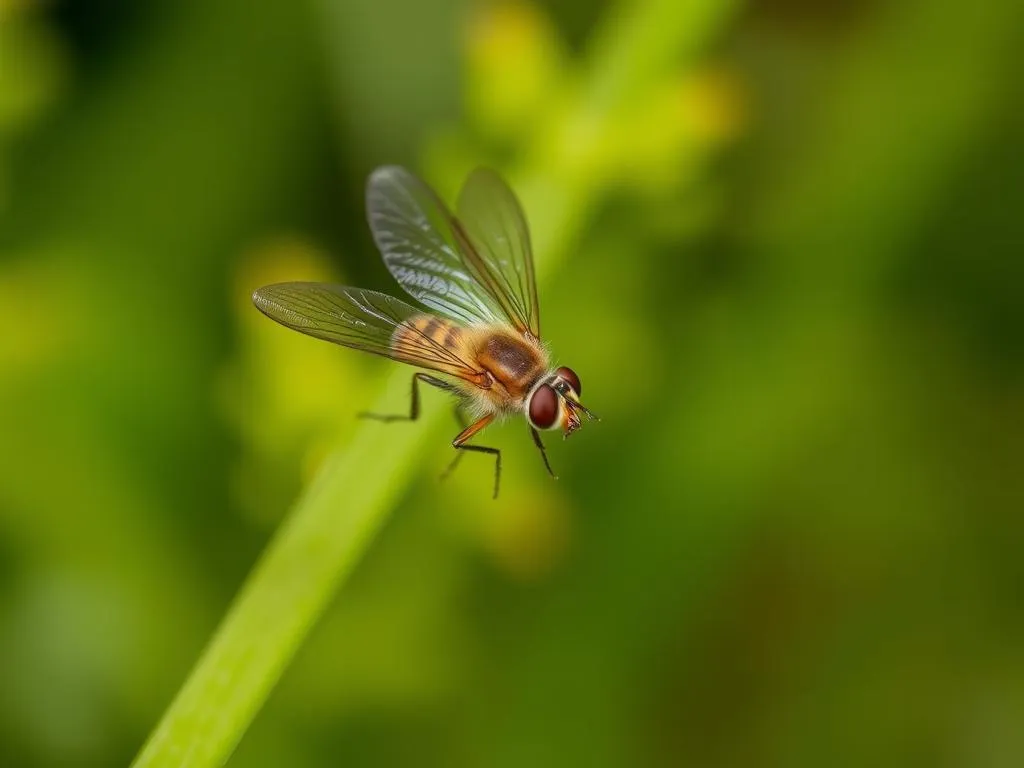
[313, 551]
[329, 528]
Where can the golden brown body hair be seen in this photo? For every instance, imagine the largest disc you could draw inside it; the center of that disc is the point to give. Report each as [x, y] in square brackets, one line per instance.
[514, 362]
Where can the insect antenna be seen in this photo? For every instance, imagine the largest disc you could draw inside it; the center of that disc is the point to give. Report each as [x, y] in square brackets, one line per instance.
[575, 404]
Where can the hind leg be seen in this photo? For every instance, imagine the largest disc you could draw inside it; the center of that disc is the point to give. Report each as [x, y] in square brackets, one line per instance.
[414, 405]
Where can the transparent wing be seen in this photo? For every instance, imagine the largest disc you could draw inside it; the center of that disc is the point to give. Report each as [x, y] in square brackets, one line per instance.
[416, 236]
[499, 251]
[360, 319]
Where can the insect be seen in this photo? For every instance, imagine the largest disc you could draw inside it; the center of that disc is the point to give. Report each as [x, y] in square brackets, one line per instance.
[480, 330]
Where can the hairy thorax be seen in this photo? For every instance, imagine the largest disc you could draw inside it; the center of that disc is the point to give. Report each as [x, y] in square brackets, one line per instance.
[516, 362]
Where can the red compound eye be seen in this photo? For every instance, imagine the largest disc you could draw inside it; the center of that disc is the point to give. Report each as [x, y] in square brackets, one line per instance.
[544, 407]
[570, 376]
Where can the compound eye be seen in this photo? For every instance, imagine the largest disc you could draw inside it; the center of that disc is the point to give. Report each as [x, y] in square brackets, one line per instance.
[544, 407]
[570, 376]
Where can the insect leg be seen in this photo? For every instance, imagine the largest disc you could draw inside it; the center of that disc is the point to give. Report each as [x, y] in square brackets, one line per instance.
[461, 419]
[459, 443]
[414, 406]
[543, 453]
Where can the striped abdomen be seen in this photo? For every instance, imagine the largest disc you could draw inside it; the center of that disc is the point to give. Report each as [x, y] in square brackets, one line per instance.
[441, 332]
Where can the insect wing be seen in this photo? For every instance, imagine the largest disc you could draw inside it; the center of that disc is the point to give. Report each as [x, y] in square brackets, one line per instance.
[498, 249]
[415, 234]
[360, 319]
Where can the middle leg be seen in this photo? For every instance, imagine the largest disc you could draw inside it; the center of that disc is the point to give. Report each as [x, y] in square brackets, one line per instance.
[461, 419]
[460, 444]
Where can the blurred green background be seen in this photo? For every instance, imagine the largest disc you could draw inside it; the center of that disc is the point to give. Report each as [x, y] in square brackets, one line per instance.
[790, 274]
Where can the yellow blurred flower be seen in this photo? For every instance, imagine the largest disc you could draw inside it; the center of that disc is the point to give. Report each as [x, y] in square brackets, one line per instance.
[290, 397]
[32, 66]
[714, 105]
[515, 63]
[38, 308]
[663, 136]
[529, 537]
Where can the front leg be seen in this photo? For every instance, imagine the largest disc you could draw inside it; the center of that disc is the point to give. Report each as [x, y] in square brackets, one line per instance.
[459, 444]
[543, 453]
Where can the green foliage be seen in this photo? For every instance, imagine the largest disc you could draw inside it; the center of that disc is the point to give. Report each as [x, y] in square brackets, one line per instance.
[778, 245]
